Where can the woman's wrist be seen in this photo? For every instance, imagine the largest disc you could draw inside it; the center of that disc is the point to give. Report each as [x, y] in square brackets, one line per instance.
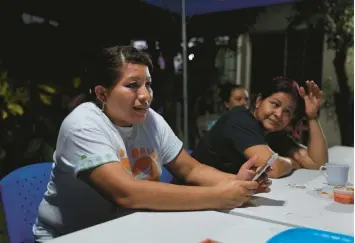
[234, 177]
[312, 118]
[295, 165]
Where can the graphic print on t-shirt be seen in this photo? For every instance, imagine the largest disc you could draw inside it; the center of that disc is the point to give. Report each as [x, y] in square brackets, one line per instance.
[143, 165]
[125, 161]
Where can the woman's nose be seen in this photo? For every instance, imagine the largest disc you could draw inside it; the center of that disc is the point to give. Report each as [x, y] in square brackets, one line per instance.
[278, 113]
[144, 94]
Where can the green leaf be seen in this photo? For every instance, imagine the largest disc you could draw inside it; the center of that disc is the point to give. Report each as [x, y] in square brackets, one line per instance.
[15, 109]
[46, 99]
[4, 86]
[47, 88]
[76, 82]
[21, 95]
[4, 115]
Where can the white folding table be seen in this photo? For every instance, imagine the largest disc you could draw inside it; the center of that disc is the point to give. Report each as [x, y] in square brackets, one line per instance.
[176, 227]
[305, 207]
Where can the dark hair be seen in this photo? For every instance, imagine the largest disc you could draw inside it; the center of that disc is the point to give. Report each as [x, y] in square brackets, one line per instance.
[226, 91]
[106, 68]
[284, 85]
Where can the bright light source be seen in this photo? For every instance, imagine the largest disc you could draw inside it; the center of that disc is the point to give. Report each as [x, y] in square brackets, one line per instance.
[178, 62]
[191, 56]
[157, 45]
[140, 44]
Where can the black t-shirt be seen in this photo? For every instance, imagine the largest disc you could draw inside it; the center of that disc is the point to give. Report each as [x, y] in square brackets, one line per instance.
[282, 143]
[223, 146]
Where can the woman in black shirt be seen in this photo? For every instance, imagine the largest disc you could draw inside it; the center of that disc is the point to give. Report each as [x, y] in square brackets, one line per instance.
[241, 133]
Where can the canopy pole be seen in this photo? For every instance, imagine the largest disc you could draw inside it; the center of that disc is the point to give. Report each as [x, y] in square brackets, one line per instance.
[184, 74]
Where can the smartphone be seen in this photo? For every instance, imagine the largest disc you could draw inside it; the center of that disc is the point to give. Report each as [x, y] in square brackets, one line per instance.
[265, 167]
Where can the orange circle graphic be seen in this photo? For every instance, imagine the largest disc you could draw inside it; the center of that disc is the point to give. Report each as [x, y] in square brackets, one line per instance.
[148, 166]
[122, 153]
[135, 153]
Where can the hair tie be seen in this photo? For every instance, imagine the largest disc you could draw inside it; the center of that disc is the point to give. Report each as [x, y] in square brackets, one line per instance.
[297, 130]
[295, 86]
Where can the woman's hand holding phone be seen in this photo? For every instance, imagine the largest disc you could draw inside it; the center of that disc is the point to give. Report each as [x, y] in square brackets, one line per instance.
[262, 170]
[262, 174]
[247, 172]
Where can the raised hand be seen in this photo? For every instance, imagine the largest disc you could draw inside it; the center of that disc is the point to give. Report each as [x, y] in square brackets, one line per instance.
[312, 99]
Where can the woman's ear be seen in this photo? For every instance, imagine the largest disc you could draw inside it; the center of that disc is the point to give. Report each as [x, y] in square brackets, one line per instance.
[100, 93]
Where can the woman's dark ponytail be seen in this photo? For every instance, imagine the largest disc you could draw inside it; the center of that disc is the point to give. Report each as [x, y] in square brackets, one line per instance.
[82, 98]
[77, 100]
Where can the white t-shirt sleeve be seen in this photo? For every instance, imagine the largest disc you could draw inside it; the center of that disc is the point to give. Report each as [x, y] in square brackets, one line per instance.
[86, 148]
[170, 144]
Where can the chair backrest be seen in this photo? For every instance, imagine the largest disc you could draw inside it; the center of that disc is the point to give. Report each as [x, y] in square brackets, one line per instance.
[166, 176]
[21, 193]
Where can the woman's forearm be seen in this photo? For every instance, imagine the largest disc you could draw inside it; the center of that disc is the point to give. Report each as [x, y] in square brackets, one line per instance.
[204, 175]
[161, 196]
[113, 182]
[317, 145]
[194, 173]
[281, 167]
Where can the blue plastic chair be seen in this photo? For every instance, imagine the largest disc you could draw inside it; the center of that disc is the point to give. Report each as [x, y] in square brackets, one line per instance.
[21, 193]
[166, 176]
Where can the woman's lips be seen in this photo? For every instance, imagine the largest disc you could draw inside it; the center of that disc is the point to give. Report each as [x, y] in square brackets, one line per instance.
[275, 123]
[141, 109]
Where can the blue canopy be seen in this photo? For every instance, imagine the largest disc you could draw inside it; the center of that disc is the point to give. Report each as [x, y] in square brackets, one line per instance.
[198, 7]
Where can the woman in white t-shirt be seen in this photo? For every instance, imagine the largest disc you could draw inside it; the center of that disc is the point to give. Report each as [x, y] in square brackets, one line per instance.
[110, 152]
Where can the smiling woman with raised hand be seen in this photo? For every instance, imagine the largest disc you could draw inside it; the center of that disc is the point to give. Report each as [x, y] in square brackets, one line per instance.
[110, 152]
[241, 132]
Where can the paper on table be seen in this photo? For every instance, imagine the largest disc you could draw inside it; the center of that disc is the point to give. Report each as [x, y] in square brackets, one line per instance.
[317, 183]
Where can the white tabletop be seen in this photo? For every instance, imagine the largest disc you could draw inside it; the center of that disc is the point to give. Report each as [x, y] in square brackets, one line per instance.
[300, 207]
[179, 227]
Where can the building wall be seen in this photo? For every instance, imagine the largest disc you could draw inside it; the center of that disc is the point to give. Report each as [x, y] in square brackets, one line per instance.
[328, 119]
[274, 18]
